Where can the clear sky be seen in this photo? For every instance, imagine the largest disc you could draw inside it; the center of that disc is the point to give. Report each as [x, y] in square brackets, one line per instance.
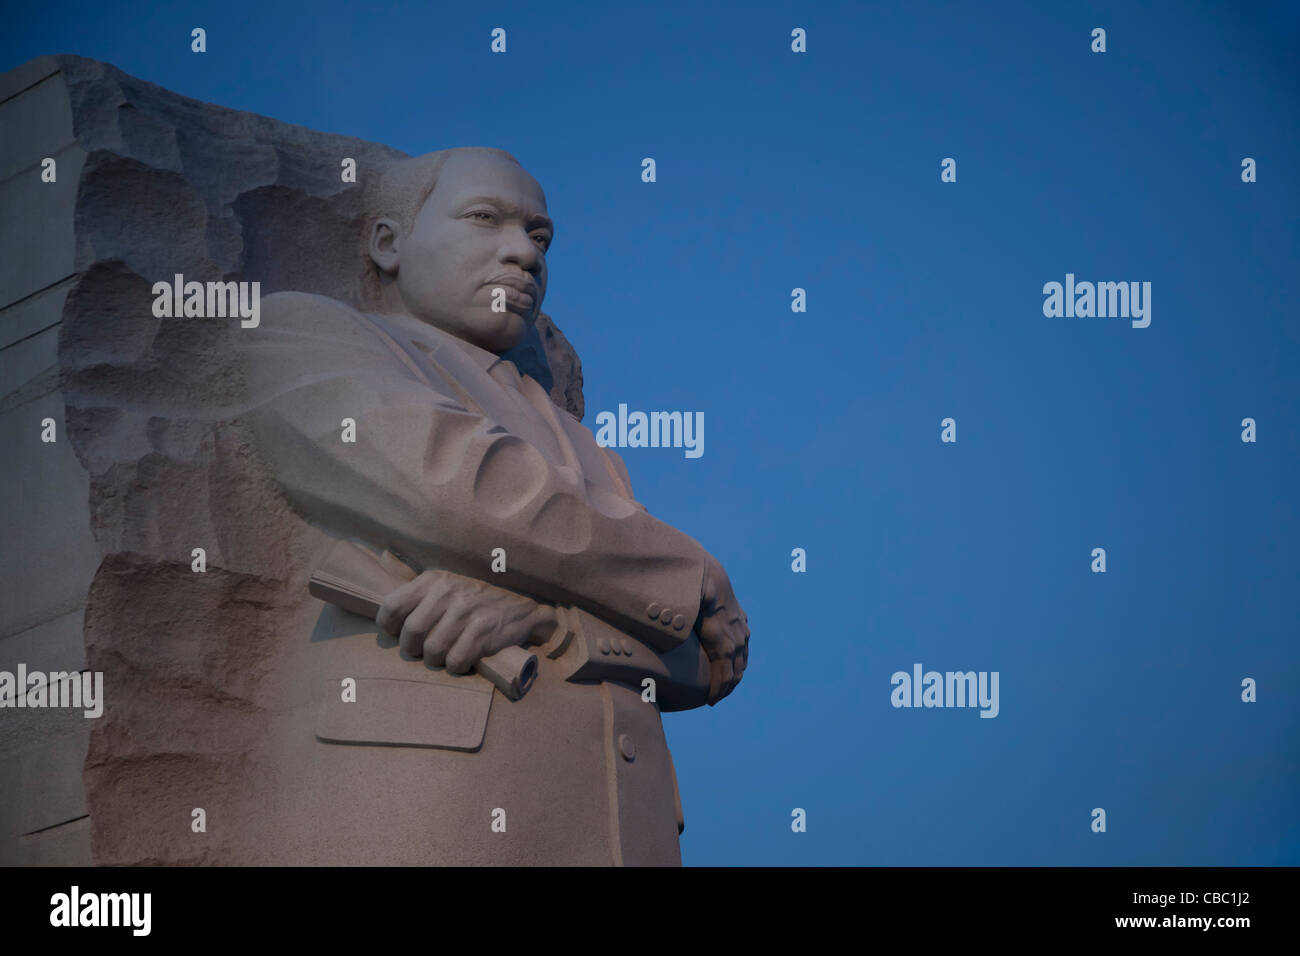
[821, 170]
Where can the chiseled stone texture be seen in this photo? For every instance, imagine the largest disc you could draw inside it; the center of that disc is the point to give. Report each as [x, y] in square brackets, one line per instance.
[151, 184]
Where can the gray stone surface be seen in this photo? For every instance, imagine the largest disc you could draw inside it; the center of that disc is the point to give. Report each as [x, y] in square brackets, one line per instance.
[41, 787]
[39, 218]
[23, 319]
[49, 554]
[37, 112]
[49, 777]
[26, 75]
[64, 845]
[29, 367]
[53, 645]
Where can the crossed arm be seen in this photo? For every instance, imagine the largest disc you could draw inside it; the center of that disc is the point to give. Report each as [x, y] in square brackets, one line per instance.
[445, 486]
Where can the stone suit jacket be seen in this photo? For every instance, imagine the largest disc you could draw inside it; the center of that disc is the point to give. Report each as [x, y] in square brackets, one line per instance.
[450, 461]
[448, 465]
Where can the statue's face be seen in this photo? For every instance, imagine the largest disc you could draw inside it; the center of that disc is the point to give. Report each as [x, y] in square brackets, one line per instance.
[484, 226]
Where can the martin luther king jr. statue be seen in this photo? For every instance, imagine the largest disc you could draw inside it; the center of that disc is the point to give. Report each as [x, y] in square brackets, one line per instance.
[425, 471]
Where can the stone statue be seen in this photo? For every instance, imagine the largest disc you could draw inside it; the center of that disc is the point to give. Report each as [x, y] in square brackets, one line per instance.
[525, 531]
[360, 586]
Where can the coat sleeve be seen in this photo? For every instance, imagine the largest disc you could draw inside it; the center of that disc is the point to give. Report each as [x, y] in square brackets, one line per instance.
[442, 484]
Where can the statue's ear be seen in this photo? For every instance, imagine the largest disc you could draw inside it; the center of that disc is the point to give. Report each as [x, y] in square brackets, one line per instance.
[384, 245]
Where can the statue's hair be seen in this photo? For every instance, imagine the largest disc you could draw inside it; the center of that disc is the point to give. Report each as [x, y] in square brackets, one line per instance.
[398, 193]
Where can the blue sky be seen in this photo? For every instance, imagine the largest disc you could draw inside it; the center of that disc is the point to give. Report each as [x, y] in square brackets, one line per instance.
[777, 170]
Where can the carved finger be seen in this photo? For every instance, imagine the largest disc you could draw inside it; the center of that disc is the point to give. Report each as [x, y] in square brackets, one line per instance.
[721, 678]
[469, 647]
[399, 603]
[422, 619]
[444, 633]
[727, 688]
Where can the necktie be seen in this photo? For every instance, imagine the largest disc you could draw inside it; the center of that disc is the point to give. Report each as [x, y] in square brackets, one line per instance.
[507, 374]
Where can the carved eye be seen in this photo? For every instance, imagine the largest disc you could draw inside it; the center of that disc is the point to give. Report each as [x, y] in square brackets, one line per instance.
[481, 213]
[543, 241]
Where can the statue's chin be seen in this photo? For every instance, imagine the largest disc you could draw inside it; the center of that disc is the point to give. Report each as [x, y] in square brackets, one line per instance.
[504, 335]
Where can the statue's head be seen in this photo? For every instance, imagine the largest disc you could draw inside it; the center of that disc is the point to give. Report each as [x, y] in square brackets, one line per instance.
[446, 229]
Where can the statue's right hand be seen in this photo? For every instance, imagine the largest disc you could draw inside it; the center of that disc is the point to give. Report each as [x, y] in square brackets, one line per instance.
[454, 621]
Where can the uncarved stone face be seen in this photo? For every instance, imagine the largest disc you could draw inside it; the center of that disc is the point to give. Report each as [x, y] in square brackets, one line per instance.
[484, 226]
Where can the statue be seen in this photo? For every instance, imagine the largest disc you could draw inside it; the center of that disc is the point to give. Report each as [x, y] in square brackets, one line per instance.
[393, 462]
[359, 585]
[525, 531]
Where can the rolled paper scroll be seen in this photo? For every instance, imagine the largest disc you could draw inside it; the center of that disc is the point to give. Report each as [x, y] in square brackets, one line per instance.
[355, 580]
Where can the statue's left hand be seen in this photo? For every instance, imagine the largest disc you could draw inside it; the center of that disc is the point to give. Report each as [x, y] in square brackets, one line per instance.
[723, 627]
[454, 621]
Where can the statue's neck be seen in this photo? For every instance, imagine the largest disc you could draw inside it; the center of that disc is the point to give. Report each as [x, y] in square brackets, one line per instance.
[417, 330]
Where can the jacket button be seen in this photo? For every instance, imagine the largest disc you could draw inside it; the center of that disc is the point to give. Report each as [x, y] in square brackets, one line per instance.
[627, 646]
[603, 644]
[679, 622]
[653, 610]
[666, 616]
[627, 746]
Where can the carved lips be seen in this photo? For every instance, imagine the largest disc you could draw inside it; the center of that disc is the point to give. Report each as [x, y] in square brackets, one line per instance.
[522, 290]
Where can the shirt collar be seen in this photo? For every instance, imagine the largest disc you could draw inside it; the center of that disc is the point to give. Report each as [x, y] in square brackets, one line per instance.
[423, 330]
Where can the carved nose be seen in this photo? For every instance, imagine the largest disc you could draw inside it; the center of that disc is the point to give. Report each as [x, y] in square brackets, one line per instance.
[518, 247]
